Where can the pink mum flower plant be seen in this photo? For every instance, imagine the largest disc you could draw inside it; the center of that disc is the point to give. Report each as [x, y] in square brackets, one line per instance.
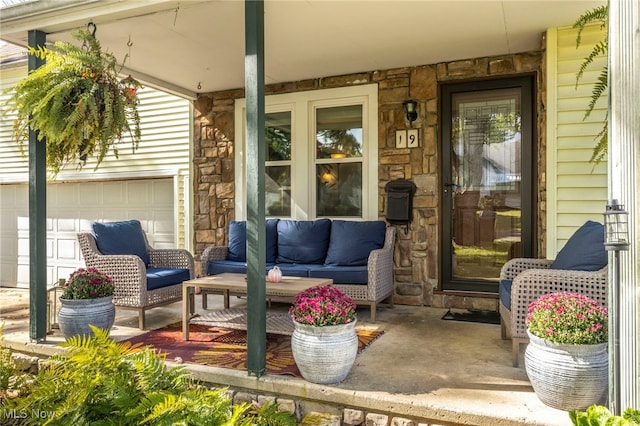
[322, 306]
[88, 283]
[571, 318]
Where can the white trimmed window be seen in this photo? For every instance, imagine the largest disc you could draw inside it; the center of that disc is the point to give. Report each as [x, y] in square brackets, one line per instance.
[321, 154]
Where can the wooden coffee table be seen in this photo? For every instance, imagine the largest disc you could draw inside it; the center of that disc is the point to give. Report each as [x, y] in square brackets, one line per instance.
[236, 284]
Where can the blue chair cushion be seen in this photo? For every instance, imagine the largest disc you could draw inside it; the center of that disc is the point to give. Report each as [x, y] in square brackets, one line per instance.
[295, 269]
[504, 290]
[342, 274]
[303, 241]
[584, 251]
[238, 240]
[163, 277]
[351, 242]
[124, 237]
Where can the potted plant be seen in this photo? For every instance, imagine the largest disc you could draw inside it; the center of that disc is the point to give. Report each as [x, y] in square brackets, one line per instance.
[77, 102]
[87, 298]
[324, 341]
[568, 339]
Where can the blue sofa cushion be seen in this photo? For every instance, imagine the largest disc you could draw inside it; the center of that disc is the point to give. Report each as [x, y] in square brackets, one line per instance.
[351, 242]
[295, 269]
[303, 241]
[124, 237]
[341, 274]
[215, 267]
[238, 240]
[163, 277]
[584, 251]
[504, 290]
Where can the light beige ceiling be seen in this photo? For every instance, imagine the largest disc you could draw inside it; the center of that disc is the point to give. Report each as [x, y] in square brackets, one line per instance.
[180, 45]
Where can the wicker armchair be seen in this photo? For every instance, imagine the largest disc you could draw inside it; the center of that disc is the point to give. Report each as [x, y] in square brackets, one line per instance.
[130, 275]
[533, 278]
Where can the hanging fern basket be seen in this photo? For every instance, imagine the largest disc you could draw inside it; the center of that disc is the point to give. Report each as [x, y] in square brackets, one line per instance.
[77, 102]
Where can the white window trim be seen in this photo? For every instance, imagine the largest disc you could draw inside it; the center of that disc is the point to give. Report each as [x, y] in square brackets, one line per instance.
[302, 106]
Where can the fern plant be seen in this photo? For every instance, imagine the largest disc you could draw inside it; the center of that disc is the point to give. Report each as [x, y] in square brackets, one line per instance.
[77, 102]
[598, 15]
[102, 382]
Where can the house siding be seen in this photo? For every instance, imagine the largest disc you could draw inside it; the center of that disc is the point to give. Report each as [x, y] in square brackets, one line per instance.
[416, 255]
[577, 188]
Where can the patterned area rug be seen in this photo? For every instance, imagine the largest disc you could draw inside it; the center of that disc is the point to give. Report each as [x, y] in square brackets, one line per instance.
[227, 348]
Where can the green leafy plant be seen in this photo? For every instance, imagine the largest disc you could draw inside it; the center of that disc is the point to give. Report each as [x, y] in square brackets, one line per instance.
[102, 382]
[76, 101]
[597, 415]
[88, 283]
[567, 318]
[598, 15]
[322, 306]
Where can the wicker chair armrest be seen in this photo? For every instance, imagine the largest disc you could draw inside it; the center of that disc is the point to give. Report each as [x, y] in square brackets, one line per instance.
[214, 253]
[514, 267]
[172, 258]
[380, 268]
[531, 284]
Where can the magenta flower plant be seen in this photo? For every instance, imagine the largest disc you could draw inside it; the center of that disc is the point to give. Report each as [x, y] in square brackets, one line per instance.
[568, 318]
[88, 283]
[322, 306]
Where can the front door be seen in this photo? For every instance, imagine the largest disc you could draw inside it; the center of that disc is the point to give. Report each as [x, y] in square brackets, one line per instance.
[487, 180]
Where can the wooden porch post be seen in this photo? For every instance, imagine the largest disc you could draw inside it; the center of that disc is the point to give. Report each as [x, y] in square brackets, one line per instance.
[37, 217]
[256, 232]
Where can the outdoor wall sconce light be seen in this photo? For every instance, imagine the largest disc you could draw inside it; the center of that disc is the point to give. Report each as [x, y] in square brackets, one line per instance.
[616, 226]
[616, 239]
[410, 107]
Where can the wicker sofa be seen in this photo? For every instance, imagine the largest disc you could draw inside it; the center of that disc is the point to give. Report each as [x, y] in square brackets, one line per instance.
[580, 267]
[144, 277]
[358, 256]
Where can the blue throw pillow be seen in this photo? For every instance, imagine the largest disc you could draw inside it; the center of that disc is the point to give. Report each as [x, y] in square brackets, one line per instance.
[584, 251]
[303, 241]
[238, 240]
[124, 237]
[351, 242]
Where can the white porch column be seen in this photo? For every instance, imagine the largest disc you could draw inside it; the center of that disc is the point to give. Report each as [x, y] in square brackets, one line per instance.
[624, 180]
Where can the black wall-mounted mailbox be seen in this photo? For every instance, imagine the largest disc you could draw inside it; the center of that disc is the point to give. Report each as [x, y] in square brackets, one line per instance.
[400, 202]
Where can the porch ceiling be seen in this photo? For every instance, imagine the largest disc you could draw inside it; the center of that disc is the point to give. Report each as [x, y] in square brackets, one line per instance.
[198, 46]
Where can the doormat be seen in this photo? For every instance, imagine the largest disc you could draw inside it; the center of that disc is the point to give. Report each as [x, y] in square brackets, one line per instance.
[485, 317]
[227, 348]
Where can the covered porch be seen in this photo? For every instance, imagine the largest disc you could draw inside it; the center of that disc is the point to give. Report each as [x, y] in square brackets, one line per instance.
[423, 369]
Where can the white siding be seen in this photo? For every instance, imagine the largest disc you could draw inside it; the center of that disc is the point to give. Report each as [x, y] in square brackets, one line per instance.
[576, 188]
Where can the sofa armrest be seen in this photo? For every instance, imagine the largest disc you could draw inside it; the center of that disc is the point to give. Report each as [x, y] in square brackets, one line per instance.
[214, 253]
[380, 268]
[514, 267]
[172, 258]
[531, 284]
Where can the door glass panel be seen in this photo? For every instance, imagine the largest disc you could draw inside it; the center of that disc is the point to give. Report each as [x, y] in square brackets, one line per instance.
[486, 147]
[278, 164]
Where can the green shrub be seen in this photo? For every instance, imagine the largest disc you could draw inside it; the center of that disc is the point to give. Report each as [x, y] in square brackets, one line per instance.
[597, 415]
[102, 382]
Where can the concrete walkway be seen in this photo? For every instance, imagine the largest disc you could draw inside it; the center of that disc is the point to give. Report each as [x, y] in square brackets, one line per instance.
[422, 368]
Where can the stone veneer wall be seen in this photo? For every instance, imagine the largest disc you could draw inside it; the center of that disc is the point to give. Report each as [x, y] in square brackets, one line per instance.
[416, 254]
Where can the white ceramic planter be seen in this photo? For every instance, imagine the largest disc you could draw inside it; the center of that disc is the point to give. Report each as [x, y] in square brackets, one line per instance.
[324, 355]
[567, 377]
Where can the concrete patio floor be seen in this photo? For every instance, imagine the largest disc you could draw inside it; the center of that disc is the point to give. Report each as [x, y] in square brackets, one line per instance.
[432, 371]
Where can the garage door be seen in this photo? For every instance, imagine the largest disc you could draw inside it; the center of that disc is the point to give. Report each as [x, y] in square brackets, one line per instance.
[71, 208]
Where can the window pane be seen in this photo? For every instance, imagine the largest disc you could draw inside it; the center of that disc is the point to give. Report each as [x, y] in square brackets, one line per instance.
[339, 189]
[278, 191]
[278, 138]
[339, 132]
